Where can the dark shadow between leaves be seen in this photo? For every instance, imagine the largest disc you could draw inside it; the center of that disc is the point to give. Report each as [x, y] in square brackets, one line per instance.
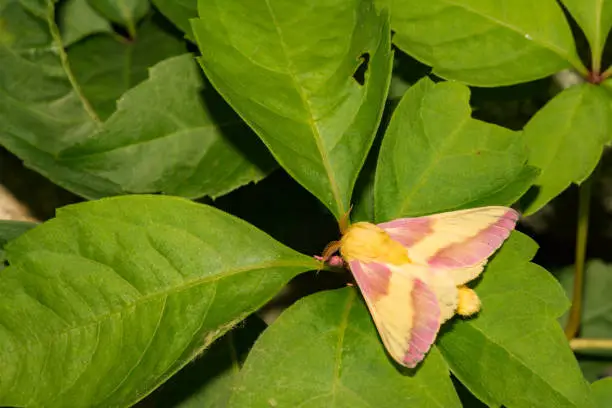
[200, 381]
[528, 198]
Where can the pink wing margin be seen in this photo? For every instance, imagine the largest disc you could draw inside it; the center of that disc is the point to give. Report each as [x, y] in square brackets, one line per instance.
[471, 250]
[405, 310]
[426, 323]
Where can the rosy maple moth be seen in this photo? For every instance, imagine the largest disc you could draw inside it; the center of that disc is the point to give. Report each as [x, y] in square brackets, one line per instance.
[413, 272]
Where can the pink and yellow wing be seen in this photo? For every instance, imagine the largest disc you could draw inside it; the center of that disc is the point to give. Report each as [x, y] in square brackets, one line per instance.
[405, 310]
[458, 240]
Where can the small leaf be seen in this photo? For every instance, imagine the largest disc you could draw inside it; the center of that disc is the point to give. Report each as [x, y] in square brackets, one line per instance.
[596, 319]
[485, 42]
[602, 392]
[105, 68]
[565, 139]
[435, 157]
[124, 12]
[77, 20]
[324, 352]
[595, 19]
[294, 72]
[514, 352]
[108, 300]
[10, 230]
[179, 12]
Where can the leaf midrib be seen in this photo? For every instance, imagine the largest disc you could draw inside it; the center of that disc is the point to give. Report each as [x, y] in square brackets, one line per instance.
[340, 344]
[56, 37]
[311, 123]
[176, 289]
[437, 151]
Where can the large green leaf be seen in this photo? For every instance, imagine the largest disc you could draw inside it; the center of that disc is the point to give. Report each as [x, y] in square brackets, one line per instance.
[565, 139]
[595, 19]
[168, 134]
[485, 42]
[287, 67]
[514, 352]
[179, 12]
[105, 302]
[435, 157]
[324, 352]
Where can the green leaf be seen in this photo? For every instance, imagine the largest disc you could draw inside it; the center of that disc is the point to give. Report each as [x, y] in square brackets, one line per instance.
[77, 20]
[602, 392]
[10, 230]
[179, 12]
[108, 300]
[169, 134]
[197, 143]
[514, 352]
[287, 68]
[435, 157]
[124, 12]
[565, 139]
[324, 352]
[208, 382]
[105, 67]
[595, 19]
[594, 367]
[485, 42]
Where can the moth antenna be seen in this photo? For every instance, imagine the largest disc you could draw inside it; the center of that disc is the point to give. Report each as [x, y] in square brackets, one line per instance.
[345, 221]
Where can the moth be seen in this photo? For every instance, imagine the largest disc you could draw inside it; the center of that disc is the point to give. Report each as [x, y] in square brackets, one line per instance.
[413, 272]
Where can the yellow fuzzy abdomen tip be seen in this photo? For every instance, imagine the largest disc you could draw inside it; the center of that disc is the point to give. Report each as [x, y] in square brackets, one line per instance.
[469, 303]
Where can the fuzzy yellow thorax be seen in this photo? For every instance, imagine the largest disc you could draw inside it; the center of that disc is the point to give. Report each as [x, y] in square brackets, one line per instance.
[367, 243]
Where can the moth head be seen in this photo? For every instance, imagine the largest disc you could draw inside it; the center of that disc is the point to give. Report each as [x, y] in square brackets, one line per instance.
[367, 242]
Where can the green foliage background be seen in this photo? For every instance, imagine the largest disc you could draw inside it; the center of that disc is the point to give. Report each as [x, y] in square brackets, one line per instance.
[210, 146]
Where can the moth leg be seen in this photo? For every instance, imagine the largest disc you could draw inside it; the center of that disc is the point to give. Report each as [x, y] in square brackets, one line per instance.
[469, 303]
[329, 250]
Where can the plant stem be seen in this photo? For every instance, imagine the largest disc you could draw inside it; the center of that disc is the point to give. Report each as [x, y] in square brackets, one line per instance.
[591, 344]
[573, 323]
[596, 51]
[57, 38]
